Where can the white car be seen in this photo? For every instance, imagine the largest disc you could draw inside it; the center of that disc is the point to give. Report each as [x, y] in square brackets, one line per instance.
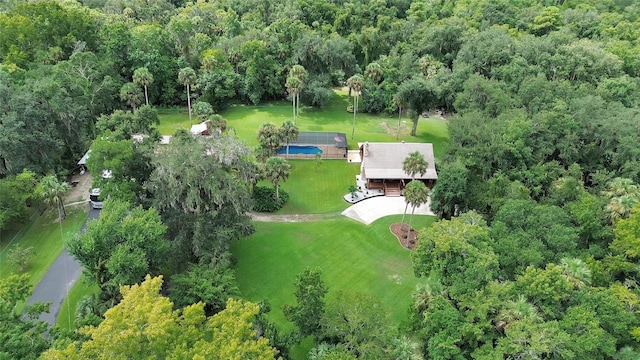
[94, 198]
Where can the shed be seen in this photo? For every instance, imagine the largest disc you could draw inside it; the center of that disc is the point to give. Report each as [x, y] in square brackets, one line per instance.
[83, 159]
[199, 129]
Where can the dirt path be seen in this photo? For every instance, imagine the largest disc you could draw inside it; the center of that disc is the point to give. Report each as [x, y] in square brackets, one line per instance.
[262, 217]
[79, 192]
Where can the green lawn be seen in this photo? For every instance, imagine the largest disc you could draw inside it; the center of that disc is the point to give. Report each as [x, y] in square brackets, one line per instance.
[172, 119]
[318, 189]
[353, 257]
[47, 237]
[245, 120]
[14, 232]
[66, 316]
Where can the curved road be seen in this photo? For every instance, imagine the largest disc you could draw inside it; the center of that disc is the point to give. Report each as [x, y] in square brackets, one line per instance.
[59, 279]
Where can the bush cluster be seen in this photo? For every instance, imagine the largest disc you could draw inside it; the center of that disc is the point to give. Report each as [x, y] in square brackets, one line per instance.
[264, 199]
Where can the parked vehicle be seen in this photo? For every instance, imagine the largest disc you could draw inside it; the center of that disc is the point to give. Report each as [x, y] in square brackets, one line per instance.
[94, 198]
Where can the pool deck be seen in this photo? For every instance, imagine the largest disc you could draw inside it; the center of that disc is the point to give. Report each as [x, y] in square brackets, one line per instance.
[353, 156]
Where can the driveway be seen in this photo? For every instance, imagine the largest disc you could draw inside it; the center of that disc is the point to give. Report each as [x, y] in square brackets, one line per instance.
[59, 279]
[370, 210]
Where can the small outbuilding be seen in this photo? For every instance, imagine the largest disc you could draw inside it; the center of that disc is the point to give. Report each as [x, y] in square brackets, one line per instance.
[381, 166]
[330, 145]
[200, 129]
[83, 159]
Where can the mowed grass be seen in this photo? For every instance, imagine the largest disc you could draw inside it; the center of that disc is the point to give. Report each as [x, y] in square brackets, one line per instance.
[66, 317]
[318, 188]
[353, 257]
[244, 121]
[47, 236]
[172, 119]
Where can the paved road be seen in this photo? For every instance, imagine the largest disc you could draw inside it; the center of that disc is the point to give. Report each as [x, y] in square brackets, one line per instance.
[58, 280]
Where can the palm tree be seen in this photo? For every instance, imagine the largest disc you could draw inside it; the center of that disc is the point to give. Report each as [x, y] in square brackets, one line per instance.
[276, 169]
[405, 348]
[425, 292]
[131, 94]
[429, 66]
[298, 71]
[623, 196]
[269, 137]
[51, 191]
[187, 76]
[416, 193]
[620, 187]
[289, 132]
[415, 164]
[321, 351]
[620, 207]
[576, 272]
[142, 77]
[294, 86]
[517, 310]
[374, 72]
[355, 83]
[400, 103]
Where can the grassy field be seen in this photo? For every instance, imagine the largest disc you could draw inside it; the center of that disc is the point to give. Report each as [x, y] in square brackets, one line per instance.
[172, 119]
[14, 232]
[353, 257]
[245, 120]
[47, 236]
[66, 316]
[318, 189]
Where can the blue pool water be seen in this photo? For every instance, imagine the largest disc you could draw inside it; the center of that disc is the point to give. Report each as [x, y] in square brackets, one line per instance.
[297, 149]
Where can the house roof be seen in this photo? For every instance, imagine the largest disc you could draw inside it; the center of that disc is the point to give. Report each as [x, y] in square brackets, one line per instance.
[83, 160]
[198, 129]
[384, 160]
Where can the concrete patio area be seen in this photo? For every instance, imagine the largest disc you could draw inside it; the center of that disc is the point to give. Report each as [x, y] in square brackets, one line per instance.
[370, 210]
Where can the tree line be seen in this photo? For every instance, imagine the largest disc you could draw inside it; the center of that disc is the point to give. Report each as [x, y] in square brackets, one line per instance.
[396, 55]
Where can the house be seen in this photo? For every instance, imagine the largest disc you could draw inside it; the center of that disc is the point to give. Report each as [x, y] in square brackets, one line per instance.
[381, 166]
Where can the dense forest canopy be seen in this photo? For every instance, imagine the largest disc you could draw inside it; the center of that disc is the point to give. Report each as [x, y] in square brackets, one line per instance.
[64, 64]
[536, 255]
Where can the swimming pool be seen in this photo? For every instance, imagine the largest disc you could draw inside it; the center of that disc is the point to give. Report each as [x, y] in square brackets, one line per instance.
[299, 149]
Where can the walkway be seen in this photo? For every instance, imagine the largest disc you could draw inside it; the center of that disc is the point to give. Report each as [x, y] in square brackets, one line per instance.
[266, 217]
[370, 210]
[58, 280]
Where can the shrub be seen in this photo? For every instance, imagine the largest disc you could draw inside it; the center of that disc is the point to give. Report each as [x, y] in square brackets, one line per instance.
[21, 257]
[264, 199]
